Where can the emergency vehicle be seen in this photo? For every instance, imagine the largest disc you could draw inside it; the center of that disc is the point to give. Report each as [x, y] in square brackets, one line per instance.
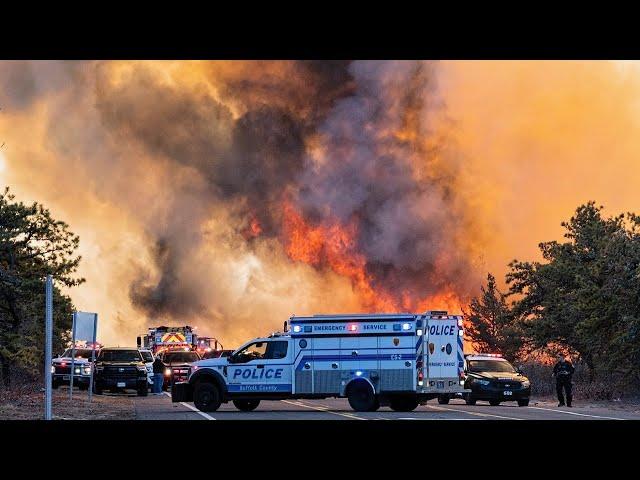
[168, 338]
[81, 363]
[400, 360]
[206, 345]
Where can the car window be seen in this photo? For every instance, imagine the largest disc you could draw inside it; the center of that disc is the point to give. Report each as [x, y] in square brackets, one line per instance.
[180, 357]
[490, 366]
[276, 350]
[78, 353]
[147, 356]
[253, 351]
[119, 356]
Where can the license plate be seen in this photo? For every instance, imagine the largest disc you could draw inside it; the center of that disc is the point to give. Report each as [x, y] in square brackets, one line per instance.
[121, 384]
[65, 377]
[507, 393]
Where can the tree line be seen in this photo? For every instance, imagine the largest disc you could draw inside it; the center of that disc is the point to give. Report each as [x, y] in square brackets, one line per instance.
[581, 299]
[32, 245]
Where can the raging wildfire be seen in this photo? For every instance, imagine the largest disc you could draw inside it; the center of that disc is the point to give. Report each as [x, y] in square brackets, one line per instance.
[235, 194]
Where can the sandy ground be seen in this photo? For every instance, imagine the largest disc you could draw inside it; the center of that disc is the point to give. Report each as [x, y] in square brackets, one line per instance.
[27, 404]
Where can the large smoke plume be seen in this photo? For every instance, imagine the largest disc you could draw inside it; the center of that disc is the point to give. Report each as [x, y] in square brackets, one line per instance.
[233, 194]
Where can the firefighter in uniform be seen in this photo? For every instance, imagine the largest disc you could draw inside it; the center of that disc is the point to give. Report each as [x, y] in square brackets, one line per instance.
[563, 371]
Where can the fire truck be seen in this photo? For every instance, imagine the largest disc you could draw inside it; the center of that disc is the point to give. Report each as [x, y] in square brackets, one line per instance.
[163, 338]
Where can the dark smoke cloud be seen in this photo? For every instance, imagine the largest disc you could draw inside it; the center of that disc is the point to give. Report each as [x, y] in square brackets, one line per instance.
[405, 224]
[248, 162]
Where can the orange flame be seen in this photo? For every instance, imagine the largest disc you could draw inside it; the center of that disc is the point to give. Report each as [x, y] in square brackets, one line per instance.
[333, 246]
[252, 230]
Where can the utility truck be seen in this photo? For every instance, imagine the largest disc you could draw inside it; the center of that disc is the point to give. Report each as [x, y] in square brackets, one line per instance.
[397, 360]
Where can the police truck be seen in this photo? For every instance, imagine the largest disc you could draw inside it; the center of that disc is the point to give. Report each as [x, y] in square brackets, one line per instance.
[396, 360]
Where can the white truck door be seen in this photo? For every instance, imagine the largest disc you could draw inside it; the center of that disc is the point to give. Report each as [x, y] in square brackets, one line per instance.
[278, 365]
[442, 342]
[261, 367]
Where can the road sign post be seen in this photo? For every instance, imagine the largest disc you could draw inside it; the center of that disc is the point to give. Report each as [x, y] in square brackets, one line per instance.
[48, 329]
[73, 354]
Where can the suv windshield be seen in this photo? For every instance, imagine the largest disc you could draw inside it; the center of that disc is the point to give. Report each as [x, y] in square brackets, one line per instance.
[119, 356]
[147, 356]
[180, 357]
[490, 366]
[79, 353]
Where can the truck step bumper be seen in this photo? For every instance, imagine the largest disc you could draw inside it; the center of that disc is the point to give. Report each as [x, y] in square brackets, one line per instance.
[181, 392]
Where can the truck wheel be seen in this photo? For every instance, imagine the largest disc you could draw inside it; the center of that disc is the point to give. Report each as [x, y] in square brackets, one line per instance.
[469, 401]
[443, 399]
[246, 405]
[361, 397]
[404, 403]
[206, 397]
[523, 403]
[494, 403]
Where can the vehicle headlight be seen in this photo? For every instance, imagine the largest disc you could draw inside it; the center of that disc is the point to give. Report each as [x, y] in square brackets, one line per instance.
[87, 370]
[483, 382]
[167, 372]
[142, 368]
[76, 370]
[53, 369]
[526, 384]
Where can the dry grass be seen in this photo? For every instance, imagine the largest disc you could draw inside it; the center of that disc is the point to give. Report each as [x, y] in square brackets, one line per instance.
[27, 403]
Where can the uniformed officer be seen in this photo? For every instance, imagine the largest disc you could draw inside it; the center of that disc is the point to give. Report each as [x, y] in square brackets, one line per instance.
[563, 371]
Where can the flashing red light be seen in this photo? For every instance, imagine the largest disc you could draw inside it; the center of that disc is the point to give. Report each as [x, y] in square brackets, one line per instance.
[353, 327]
[420, 376]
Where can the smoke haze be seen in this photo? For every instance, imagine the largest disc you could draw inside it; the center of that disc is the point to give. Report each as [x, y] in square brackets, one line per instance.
[231, 195]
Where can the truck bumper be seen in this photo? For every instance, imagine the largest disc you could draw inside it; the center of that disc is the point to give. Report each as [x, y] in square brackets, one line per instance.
[77, 379]
[182, 392]
[111, 383]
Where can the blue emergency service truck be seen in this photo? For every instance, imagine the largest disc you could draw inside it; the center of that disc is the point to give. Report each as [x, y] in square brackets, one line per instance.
[397, 360]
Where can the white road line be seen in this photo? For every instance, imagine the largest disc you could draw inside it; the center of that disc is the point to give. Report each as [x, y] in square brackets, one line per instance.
[190, 407]
[323, 409]
[447, 409]
[576, 413]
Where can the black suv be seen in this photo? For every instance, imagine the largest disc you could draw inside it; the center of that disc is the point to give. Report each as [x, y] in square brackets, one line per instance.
[120, 368]
[492, 378]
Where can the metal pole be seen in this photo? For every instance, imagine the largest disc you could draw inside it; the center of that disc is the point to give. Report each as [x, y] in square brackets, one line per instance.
[48, 332]
[73, 354]
[93, 355]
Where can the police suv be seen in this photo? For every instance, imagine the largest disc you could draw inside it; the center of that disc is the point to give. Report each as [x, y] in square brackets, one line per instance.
[492, 378]
[399, 360]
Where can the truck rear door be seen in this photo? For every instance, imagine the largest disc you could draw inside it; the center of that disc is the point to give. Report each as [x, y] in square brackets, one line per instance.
[444, 347]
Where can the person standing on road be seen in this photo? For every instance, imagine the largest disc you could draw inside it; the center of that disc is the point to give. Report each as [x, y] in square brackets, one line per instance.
[158, 375]
[563, 371]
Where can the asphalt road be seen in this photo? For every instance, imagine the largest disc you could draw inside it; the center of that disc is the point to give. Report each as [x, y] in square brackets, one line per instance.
[161, 408]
